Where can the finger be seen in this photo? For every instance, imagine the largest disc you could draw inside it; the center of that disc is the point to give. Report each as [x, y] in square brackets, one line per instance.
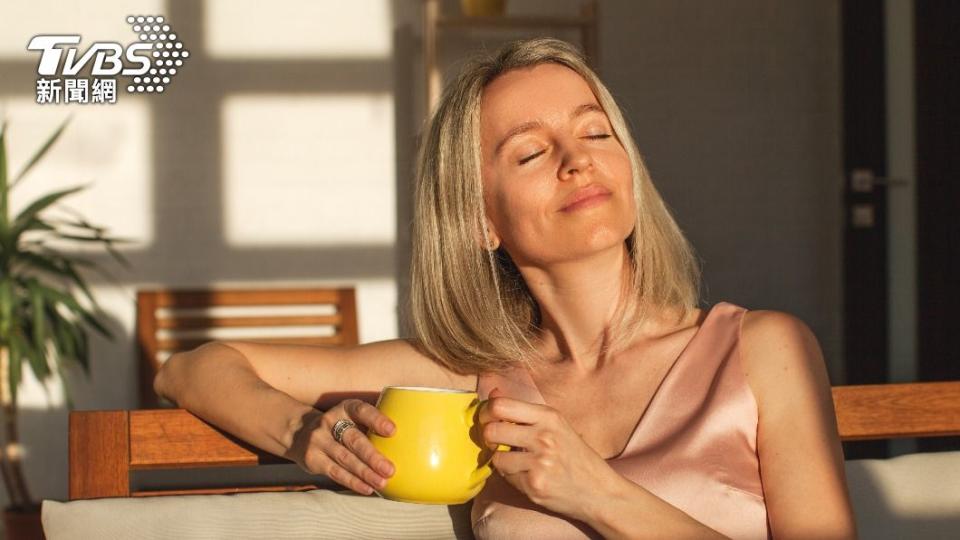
[370, 416]
[342, 476]
[361, 446]
[344, 457]
[513, 410]
[512, 462]
[515, 435]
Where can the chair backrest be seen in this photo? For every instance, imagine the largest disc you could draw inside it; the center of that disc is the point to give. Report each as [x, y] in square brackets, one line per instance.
[107, 446]
[170, 321]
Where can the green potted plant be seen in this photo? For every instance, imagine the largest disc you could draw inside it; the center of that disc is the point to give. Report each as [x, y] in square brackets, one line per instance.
[46, 310]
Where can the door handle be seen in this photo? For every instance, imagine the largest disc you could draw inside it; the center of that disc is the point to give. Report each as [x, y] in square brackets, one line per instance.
[863, 180]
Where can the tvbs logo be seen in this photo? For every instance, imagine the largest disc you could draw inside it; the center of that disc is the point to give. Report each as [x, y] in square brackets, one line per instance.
[106, 55]
[151, 62]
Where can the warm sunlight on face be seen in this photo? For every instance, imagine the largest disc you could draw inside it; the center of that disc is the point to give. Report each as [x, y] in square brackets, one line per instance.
[546, 143]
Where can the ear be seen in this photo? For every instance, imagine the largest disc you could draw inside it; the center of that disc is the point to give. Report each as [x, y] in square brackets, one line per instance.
[488, 238]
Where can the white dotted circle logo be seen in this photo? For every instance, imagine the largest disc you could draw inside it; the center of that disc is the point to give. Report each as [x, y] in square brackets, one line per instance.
[167, 51]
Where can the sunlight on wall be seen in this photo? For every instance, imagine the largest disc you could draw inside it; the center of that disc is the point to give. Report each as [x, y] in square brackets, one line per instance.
[102, 20]
[309, 171]
[32, 394]
[376, 309]
[107, 147]
[297, 29]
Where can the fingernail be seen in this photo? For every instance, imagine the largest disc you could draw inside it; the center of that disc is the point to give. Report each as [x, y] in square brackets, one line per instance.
[382, 482]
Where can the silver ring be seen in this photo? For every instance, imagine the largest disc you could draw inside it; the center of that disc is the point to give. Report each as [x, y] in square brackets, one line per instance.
[340, 427]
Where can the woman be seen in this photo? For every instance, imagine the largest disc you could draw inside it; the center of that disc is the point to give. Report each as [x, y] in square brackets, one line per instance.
[549, 276]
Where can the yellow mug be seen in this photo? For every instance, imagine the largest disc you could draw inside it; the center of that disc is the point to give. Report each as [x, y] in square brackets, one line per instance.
[436, 449]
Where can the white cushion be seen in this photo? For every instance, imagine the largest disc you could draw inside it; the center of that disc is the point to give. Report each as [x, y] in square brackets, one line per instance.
[910, 496]
[310, 514]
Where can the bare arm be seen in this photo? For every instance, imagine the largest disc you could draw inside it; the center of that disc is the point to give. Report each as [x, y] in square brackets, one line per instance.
[217, 383]
[801, 458]
[261, 392]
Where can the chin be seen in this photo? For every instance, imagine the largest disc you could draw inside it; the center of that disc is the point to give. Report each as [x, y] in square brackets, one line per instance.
[588, 245]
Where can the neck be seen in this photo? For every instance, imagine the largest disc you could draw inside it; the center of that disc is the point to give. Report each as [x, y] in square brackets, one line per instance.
[577, 302]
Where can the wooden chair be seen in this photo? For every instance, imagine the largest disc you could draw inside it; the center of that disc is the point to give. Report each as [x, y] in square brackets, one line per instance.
[107, 446]
[170, 321]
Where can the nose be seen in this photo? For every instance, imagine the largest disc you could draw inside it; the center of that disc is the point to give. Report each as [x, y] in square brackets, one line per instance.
[576, 159]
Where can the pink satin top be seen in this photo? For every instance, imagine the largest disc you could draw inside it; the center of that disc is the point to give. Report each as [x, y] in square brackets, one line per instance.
[695, 446]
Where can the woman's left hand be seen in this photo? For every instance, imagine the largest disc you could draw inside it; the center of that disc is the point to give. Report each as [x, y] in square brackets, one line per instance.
[556, 468]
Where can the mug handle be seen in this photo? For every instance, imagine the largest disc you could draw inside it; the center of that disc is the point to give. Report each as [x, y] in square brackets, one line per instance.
[471, 411]
[484, 470]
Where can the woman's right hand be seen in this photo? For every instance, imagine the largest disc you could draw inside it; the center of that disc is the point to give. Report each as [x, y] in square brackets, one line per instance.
[355, 464]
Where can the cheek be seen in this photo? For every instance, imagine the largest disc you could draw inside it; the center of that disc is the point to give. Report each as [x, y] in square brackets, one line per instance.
[621, 170]
[518, 207]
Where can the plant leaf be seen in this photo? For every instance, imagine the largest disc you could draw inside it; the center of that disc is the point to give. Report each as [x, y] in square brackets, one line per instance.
[39, 262]
[39, 329]
[37, 224]
[35, 357]
[74, 306]
[40, 153]
[37, 206]
[63, 341]
[62, 267]
[6, 306]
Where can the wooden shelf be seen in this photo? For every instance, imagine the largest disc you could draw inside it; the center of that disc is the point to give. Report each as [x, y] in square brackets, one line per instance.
[434, 21]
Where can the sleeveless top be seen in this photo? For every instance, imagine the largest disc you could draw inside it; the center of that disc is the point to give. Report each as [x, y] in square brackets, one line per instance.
[695, 446]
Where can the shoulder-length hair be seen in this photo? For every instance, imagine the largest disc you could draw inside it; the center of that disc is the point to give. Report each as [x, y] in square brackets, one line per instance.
[469, 307]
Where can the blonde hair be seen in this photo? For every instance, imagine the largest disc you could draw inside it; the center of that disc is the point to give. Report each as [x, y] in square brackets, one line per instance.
[470, 308]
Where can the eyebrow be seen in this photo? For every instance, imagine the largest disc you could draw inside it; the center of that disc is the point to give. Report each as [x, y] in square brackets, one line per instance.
[580, 110]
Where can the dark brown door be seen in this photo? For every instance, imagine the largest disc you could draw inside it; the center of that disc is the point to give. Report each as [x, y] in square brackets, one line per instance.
[938, 195]
[865, 273]
[935, 181]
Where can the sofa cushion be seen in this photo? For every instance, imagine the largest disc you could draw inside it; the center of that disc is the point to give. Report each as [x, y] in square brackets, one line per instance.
[310, 514]
[910, 496]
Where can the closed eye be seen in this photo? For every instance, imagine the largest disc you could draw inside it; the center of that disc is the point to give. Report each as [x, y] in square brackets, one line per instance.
[533, 156]
[530, 157]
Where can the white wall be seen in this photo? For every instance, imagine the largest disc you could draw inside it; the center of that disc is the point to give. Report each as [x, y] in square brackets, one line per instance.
[282, 153]
[269, 160]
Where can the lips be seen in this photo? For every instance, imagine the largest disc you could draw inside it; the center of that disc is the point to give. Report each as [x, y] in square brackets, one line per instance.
[585, 196]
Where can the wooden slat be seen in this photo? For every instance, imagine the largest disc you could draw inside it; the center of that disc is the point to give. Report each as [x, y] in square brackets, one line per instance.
[348, 311]
[884, 411]
[201, 322]
[186, 344]
[148, 365]
[150, 319]
[176, 439]
[99, 454]
[223, 491]
[200, 298]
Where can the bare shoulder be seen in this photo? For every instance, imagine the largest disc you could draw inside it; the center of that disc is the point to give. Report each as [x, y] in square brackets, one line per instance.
[781, 358]
[801, 458]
